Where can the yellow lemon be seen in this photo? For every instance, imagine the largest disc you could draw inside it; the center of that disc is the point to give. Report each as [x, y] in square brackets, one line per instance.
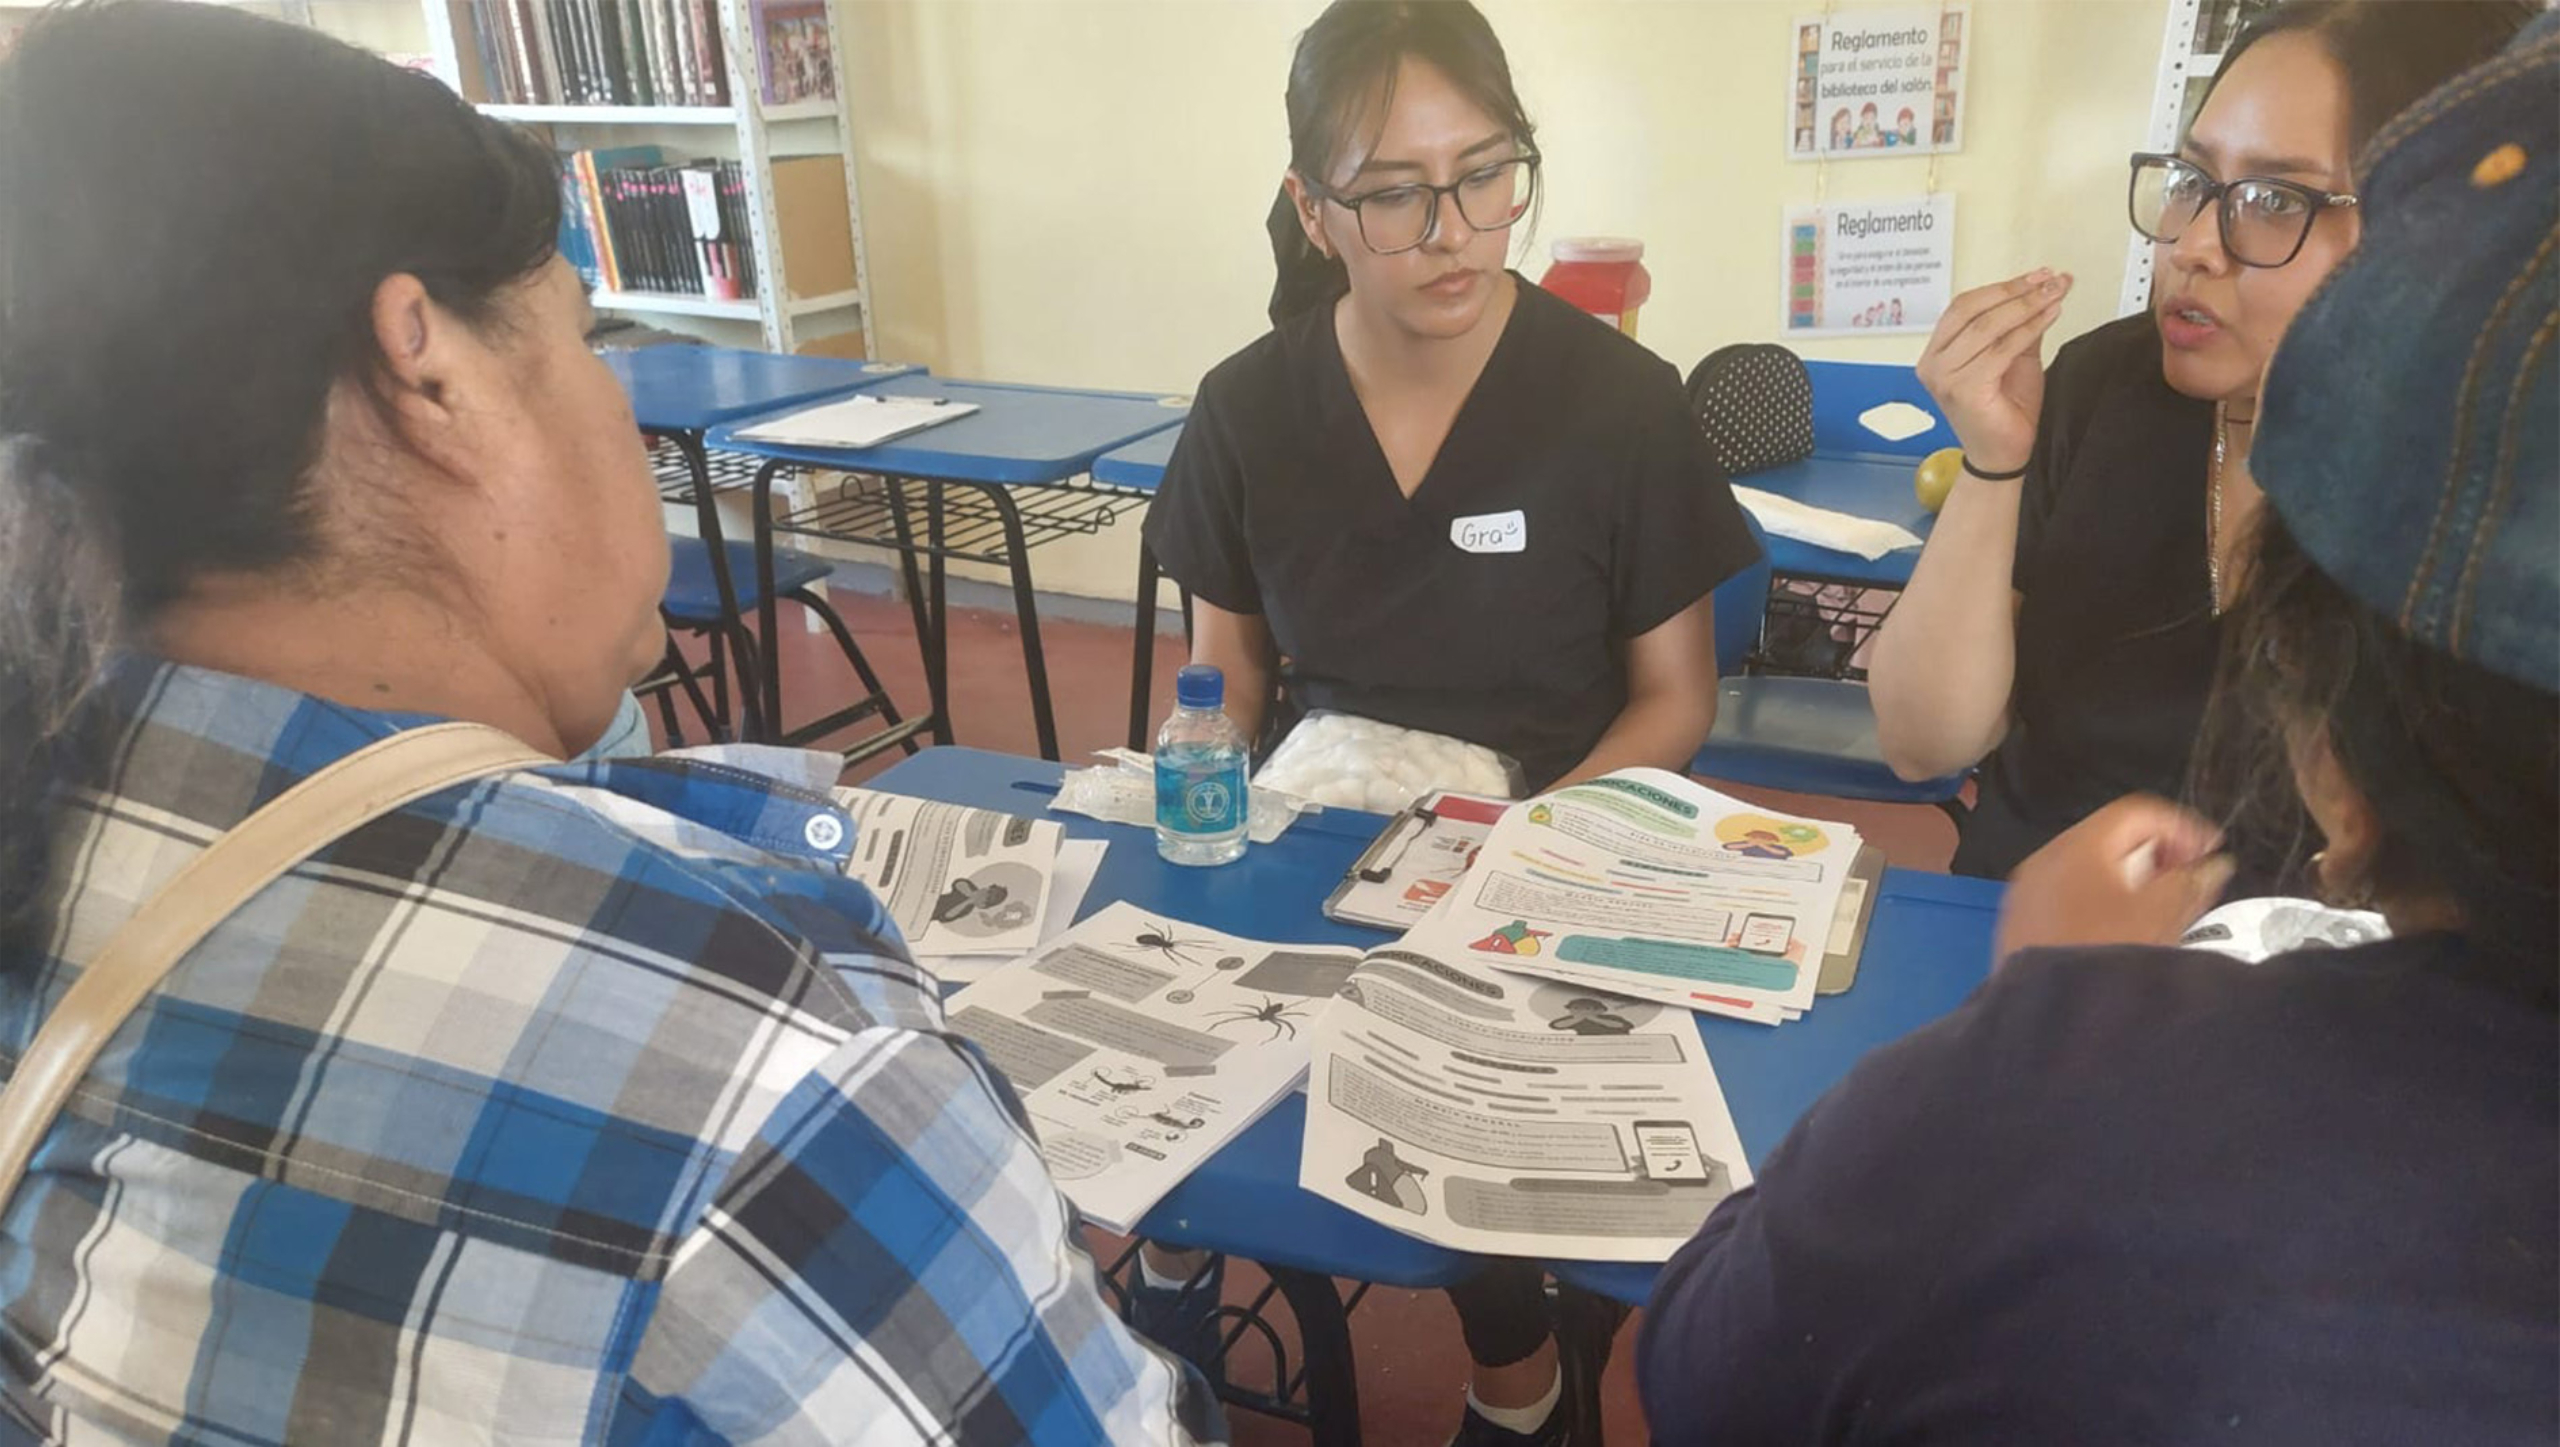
[1935, 477]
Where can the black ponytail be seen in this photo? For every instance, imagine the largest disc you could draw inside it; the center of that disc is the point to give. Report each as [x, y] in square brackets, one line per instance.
[1344, 73]
[1305, 277]
[200, 206]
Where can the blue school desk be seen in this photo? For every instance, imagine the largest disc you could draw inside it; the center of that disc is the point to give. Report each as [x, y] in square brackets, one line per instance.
[1855, 470]
[681, 389]
[995, 483]
[1139, 467]
[1928, 946]
[679, 393]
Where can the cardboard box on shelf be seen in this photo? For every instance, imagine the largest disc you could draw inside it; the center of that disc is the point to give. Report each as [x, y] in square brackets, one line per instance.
[814, 221]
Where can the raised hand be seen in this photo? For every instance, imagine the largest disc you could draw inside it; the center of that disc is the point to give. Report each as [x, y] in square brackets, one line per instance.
[1985, 365]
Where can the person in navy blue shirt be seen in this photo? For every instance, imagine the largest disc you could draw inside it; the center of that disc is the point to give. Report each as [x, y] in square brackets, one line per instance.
[2129, 1194]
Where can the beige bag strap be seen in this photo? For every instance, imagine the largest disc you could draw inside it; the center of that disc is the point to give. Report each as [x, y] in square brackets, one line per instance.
[296, 824]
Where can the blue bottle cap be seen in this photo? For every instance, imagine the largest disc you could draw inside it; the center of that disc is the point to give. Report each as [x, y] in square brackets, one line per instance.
[1200, 685]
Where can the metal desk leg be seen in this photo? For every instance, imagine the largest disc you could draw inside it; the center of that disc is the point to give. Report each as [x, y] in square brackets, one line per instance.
[1324, 1337]
[706, 525]
[1026, 609]
[937, 653]
[1142, 654]
[768, 627]
[917, 608]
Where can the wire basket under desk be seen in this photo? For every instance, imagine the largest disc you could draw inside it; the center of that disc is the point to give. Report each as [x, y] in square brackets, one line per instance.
[857, 508]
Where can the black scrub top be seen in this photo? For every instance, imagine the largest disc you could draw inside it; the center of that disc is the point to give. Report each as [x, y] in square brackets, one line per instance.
[2116, 638]
[1574, 506]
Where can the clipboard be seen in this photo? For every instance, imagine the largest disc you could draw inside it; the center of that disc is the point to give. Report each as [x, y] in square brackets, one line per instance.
[1406, 869]
[1848, 941]
[862, 420]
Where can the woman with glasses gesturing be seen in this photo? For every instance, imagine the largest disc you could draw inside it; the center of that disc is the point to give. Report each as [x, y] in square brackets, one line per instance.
[2064, 616]
[1437, 496]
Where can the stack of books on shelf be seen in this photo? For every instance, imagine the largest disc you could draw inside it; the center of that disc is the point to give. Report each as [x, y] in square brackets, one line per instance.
[632, 222]
[600, 52]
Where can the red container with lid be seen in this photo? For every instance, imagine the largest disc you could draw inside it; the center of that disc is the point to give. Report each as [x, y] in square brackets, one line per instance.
[1603, 275]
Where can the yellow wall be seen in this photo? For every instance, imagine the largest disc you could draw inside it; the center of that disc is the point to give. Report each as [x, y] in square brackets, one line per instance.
[1072, 191]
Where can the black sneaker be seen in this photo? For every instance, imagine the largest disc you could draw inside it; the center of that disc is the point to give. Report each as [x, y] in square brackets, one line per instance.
[1586, 1328]
[1183, 1320]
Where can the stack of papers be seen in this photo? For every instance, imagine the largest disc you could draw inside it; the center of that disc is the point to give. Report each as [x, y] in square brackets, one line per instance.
[863, 420]
[1651, 886]
[1140, 1044]
[1520, 1073]
[969, 888]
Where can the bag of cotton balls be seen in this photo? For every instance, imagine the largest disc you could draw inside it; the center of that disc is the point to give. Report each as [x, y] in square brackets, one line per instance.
[1357, 763]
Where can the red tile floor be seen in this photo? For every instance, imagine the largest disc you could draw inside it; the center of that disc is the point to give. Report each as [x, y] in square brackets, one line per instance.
[1412, 1369]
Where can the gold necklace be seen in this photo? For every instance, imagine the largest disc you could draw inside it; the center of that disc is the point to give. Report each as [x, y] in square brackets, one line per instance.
[2213, 514]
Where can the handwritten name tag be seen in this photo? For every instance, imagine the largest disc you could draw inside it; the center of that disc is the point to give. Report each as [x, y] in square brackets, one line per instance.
[1493, 532]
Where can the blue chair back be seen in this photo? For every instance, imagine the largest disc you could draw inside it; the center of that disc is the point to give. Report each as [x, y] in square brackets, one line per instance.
[1740, 603]
[1843, 390]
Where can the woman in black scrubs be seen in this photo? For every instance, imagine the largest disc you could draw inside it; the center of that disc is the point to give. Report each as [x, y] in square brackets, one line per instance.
[1436, 496]
[2068, 605]
[1433, 494]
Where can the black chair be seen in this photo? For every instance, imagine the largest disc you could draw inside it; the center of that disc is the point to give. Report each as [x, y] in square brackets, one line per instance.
[697, 585]
[1755, 402]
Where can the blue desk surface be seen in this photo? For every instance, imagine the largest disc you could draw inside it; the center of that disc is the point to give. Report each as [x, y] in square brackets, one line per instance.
[1139, 465]
[1867, 484]
[1845, 391]
[1245, 1201]
[692, 389]
[1930, 945]
[1019, 435]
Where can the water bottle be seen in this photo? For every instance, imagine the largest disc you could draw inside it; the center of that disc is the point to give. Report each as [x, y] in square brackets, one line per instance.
[1201, 803]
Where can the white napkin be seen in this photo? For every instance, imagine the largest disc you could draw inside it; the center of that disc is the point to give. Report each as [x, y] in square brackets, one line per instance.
[1823, 527]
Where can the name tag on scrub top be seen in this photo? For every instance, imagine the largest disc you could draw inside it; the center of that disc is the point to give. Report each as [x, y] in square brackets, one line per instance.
[1493, 532]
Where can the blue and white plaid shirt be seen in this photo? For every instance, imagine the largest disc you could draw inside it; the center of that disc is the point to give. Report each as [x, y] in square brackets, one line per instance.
[591, 1104]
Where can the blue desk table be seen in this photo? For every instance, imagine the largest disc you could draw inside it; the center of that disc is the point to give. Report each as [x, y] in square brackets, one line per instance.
[1929, 945]
[1139, 467]
[1245, 1201]
[679, 393]
[1855, 469]
[1017, 456]
[681, 389]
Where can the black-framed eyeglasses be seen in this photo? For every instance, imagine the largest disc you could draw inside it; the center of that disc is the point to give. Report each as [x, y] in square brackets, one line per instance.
[1399, 218]
[2264, 220]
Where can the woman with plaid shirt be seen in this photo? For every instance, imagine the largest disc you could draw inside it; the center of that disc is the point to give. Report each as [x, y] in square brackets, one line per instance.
[588, 1103]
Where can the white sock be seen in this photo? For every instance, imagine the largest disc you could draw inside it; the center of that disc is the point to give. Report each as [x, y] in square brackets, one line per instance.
[1147, 1273]
[1523, 1420]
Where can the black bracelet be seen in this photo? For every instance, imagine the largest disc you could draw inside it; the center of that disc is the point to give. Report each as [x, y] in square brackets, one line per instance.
[1978, 473]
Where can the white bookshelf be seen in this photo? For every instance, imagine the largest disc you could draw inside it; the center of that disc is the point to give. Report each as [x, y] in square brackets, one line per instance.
[2191, 46]
[773, 319]
[812, 110]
